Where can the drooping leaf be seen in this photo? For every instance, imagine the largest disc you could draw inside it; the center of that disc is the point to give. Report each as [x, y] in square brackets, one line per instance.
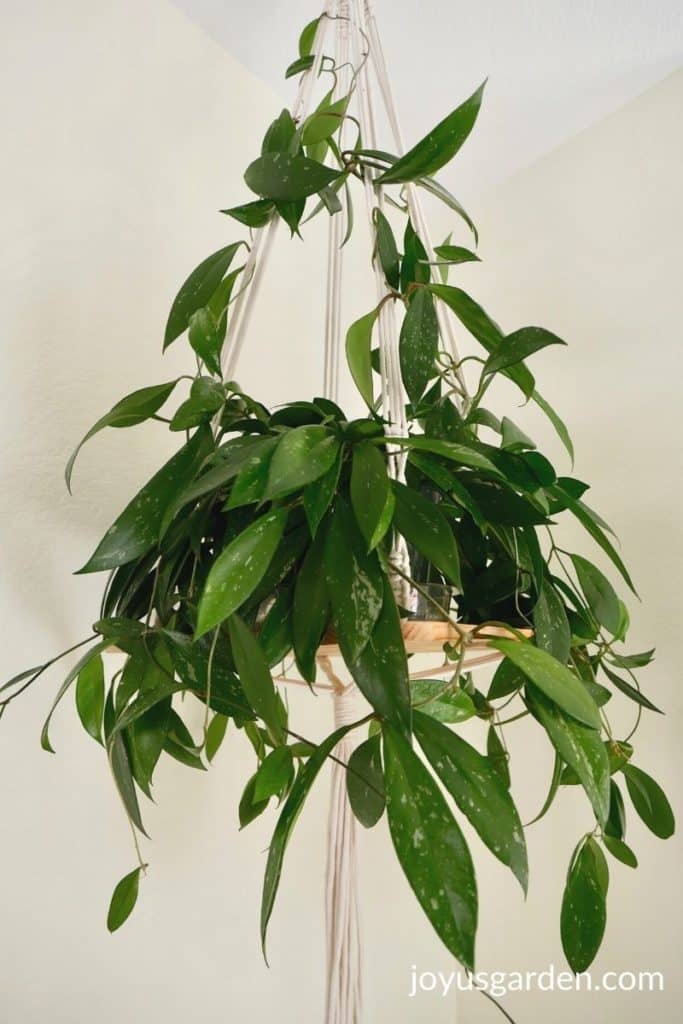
[302, 456]
[458, 453]
[558, 424]
[146, 740]
[250, 483]
[445, 705]
[123, 900]
[650, 802]
[307, 37]
[588, 521]
[311, 608]
[358, 354]
[415, 262]
[439, 146]
[255, 677]
[318, 495]
[123, 777]
[324, 122]
[215, 734]
[90, 696]
[372, 499]
[253, 215]
[478, 791]
[584, 912]
[387, 250]
[424, 526]
[282, 177]
[518, 345]
[274, 774]
[73, 674]
[430, 848]
[620, 851]
[238, 570]
[418, 344]
[365, 782]
[507, 679]
[616, 820]
[453, 254]
[249, 808]
[205, 338]
[498, 755]
[551, 626]
[137, 529]
[599, 592]
[133, 409]
[629, 690]
[552, 790]
[197, 290]
[556, 681]
[288, 816]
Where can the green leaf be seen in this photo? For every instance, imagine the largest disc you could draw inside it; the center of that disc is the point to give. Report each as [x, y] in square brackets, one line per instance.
[503, 506]
[430, 848]
[518, 345]
[387, 250]
[123, 777]
[372, 499]
[249, 808]
[358, 354]
[580, 747]
[90, 696]
[281, 135]
[215, 734]
[355, 583]
[552, 790]
[123, 900]
[197, 290]
[632, 660]
[498, 755]
[419, 344]
[206, 338]
[439, 146]
[131, 410]
[253, 215]
[628, 690]
[285, 178]
[478, 791]
[238, 570]
[588, 521]
[94, 652]
[137, 528]
[433, 699]
[251, 481]
[414, 265]
[616, 821]
[551, 625]
[424, 526]
[147, 738]
[599, 592]
[288, 816]
[319, 494]
[458, 453]
[650, 802]
[255, 677]
[584, 911]
[206, 398]
[311, 608]
[297, 66]
[303, 455]
[453, 254]
[507, 679]
[552, 678]
[381, 669]
[558, 424]
[365, 782]
[307, 37]
[324, 122]
[620, 851]
[274, 774]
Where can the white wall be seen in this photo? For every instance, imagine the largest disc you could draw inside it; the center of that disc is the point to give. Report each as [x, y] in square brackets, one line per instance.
[125, 129]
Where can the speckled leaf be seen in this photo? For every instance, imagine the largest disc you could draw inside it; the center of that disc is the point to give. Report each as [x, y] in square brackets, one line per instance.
[285, 178]
[551, 626]
[137, 528]
[517, 346]
[419, 344]
[449, 706]
[553, 679]
[197, 290]
[430, 848]
[424, 526]
[255, 677]
[251, 480]
[303, 455]
[288, 816]
[584, 910]
[365, 782]
[478, 791]
[354, 580]
[239, 568]
[580, 747]
[371, 496]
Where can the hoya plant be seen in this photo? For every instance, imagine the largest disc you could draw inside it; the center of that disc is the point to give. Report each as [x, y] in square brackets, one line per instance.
[269, 531]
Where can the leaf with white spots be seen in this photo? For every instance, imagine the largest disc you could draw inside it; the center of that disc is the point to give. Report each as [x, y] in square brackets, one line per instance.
[584, 910]
[303, 455]
[285, 178]
[478, 791]
[430, 847]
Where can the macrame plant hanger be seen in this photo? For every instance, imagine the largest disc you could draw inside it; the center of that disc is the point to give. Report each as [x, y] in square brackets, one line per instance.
[358, 55]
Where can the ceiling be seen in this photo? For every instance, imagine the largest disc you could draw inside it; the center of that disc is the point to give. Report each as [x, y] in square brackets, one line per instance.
[554, 66]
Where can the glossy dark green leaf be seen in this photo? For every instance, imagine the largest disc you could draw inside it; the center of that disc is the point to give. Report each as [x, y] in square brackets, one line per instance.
[319, 494]
[518, 345]
[238, 570]
[137, 528]
[205, 338]
[355, 583]
[419, 344]
[502, 506]
[133, 409]
[514, 439]
[433, 698]
[558, 424]
[430, 848]
[276, 630]
[372, 499]
[556, 681]
[206, 398]
[73, 674]
[365, 782]
[650, 802]
[253, 215]
[303, 455]
[629, 690]
[632, 660]
[498, 755]
[439, 146]
[478, 791]
[274, 774]
[285, 178]
[198, 289]
[123, 777]
[251, 481]
[123, 900]
[599, 592]
[616, 820]
[250, 808]
[288, 816]
[387, 250]
[146, 740]
[415, 262]
[255, 677]
[588, 521]
[311, 608]
[299, 65]
[584, 911]
[620, 851]
[358, 349]
[424, 526]
[551, 626]
[90, 696]
[381, 669]
[458, 453]
[580, 747]
[215, 734]
[553, 788]
[507, 679]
